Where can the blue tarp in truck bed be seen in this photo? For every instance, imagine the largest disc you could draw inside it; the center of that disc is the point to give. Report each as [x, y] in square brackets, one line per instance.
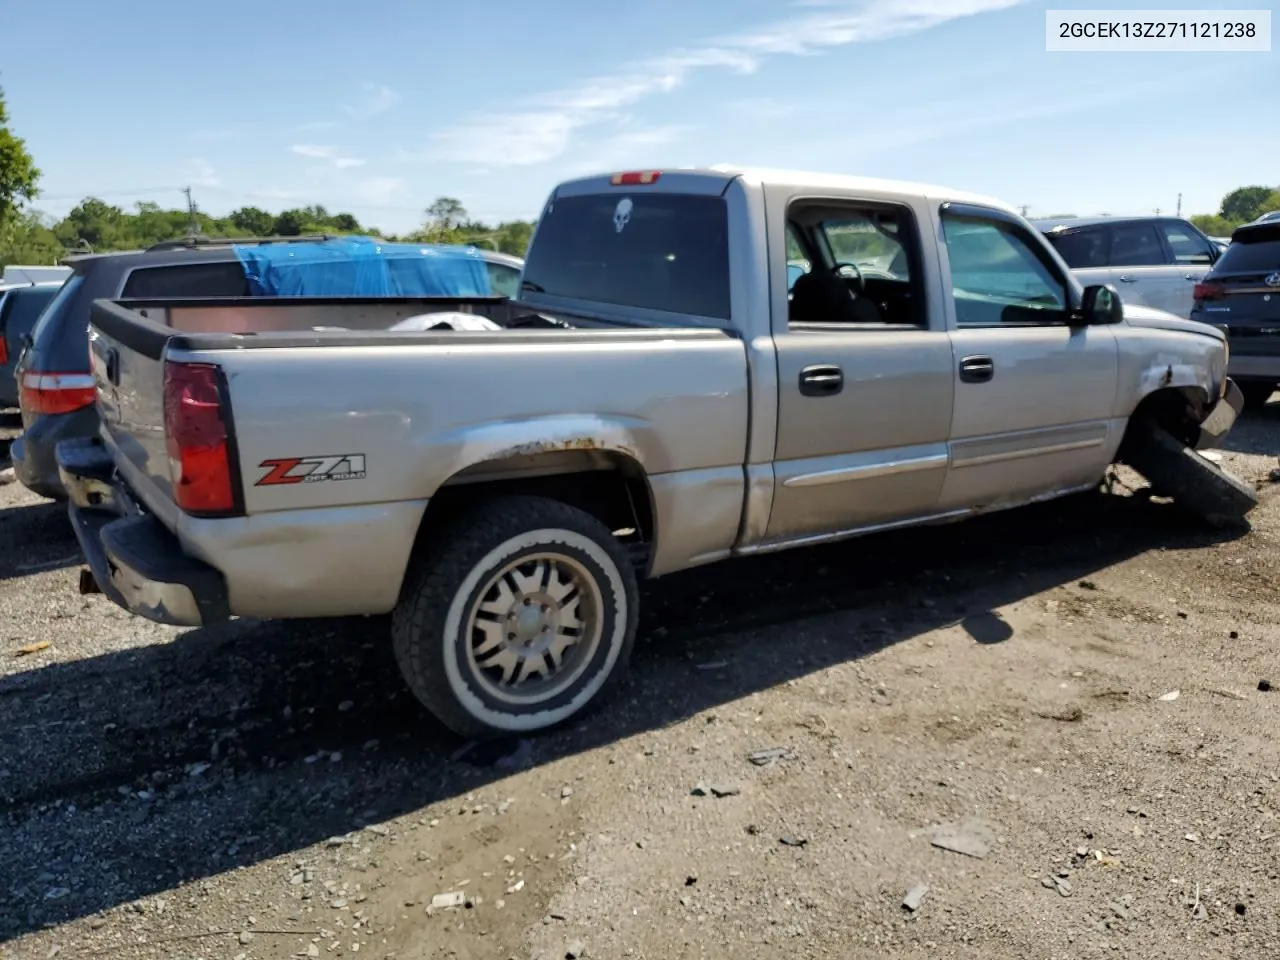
[362, 267]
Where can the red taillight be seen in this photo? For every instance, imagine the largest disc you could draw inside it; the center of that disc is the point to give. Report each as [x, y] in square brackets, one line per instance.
[1208, 291]
[4, 351]
[196, 436]
[56, 392]
[635, 178]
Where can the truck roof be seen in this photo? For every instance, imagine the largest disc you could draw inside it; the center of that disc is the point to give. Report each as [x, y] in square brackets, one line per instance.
[772, 176]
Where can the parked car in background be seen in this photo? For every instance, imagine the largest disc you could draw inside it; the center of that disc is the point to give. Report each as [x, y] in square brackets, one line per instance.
[18, 273]
[1153, 261]
[55, 388]
[1271, 217]
[1241, 296]
[504, 273]
[1221, 242]
[20, 307]
[651, 402]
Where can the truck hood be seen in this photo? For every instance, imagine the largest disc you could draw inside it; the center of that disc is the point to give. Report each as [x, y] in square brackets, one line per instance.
[1140, 316]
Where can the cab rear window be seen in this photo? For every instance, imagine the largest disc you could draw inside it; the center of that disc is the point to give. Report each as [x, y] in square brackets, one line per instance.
[651, 251]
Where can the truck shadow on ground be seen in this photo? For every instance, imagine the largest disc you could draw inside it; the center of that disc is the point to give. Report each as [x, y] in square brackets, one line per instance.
[132, 773]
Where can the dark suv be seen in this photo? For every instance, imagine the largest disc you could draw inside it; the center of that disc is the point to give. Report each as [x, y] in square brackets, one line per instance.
[1241, 295]
[56, 388]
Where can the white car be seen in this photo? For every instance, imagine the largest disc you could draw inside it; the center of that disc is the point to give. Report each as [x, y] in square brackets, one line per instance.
[1152, 261]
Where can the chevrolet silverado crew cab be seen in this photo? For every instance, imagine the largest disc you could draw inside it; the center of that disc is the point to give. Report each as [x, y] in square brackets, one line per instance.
[497, 474]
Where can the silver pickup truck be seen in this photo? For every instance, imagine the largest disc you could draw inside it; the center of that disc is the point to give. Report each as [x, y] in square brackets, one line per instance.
[665, 392]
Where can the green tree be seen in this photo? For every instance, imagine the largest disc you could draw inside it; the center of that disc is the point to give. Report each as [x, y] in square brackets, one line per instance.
[290, 223]
[25, 238]
[254, 222]
[444, 216]
[93, 222]
[18, 172]
[1245, 203]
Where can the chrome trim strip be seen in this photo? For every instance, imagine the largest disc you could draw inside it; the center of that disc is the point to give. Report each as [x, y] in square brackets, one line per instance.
[868, 471]
[959, 462]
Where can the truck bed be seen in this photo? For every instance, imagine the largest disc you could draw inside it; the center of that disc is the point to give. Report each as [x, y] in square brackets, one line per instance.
[397, 416]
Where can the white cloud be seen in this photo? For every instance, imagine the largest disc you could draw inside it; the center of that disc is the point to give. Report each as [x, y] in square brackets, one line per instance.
[200, 173]
[627, 146]
[380, 191]
[544, 130]
[347, 163]
[376, 98]
[314, 150]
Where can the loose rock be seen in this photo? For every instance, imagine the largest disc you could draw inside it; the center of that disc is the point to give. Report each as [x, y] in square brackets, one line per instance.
[915, 896]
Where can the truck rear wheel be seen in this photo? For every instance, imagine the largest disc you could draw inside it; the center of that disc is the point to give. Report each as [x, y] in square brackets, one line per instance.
[1194, 482]
[518, 616]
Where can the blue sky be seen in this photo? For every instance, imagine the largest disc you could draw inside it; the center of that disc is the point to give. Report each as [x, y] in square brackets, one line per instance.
[377, 108]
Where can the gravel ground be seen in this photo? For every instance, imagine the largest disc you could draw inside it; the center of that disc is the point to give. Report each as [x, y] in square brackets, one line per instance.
[1069, 693]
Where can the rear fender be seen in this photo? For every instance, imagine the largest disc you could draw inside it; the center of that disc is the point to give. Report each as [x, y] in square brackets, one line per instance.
[514, 447]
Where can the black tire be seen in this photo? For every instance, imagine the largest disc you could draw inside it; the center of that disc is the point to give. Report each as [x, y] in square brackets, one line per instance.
[1195, 483]
[438, 622]
[1256, 393]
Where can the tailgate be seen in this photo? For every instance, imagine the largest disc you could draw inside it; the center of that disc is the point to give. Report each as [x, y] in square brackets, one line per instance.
[126, 355]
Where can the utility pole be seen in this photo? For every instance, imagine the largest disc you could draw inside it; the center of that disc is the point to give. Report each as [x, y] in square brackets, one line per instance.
[193, 228]
[1157, 211]
[1179, 204]
[1025, 207]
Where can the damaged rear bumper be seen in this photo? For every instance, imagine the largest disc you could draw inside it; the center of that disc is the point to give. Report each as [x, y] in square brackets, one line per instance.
[133, 557]
[1216, 426]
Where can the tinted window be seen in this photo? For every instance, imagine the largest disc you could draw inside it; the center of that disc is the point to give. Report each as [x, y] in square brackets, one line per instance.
[667, 252]
[46, 331]
[1136, 245]
[503, 280]
[22, 307]
[1260, 257]
[224, 279]
[1187, 245]
[1082, 249]
[997, 277]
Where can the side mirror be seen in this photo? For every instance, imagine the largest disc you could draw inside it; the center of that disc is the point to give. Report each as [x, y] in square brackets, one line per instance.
[1100, 304]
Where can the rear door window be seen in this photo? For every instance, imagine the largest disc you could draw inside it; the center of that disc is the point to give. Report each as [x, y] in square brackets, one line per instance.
[177, 281]
[1136, 245]
[1082, 249]
[664, 252]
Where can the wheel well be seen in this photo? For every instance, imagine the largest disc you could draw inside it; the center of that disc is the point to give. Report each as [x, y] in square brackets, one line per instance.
[610, 486]
[1178, 410]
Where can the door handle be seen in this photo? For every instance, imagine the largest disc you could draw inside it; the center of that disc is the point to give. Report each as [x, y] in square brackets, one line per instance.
[1125, 278]
[1191, 276]
[821, 380]
[977, 369]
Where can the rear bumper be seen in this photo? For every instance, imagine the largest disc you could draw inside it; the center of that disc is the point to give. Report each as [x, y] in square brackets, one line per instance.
[135, 560]
[33, 453]
[1216, 426]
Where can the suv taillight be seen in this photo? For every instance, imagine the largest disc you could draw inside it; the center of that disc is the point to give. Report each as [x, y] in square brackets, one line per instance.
[4, 350]
[195, 433]
[53, 393]
[1208, 291]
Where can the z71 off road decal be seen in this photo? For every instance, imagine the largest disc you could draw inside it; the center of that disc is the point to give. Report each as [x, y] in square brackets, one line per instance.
[284, 470]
